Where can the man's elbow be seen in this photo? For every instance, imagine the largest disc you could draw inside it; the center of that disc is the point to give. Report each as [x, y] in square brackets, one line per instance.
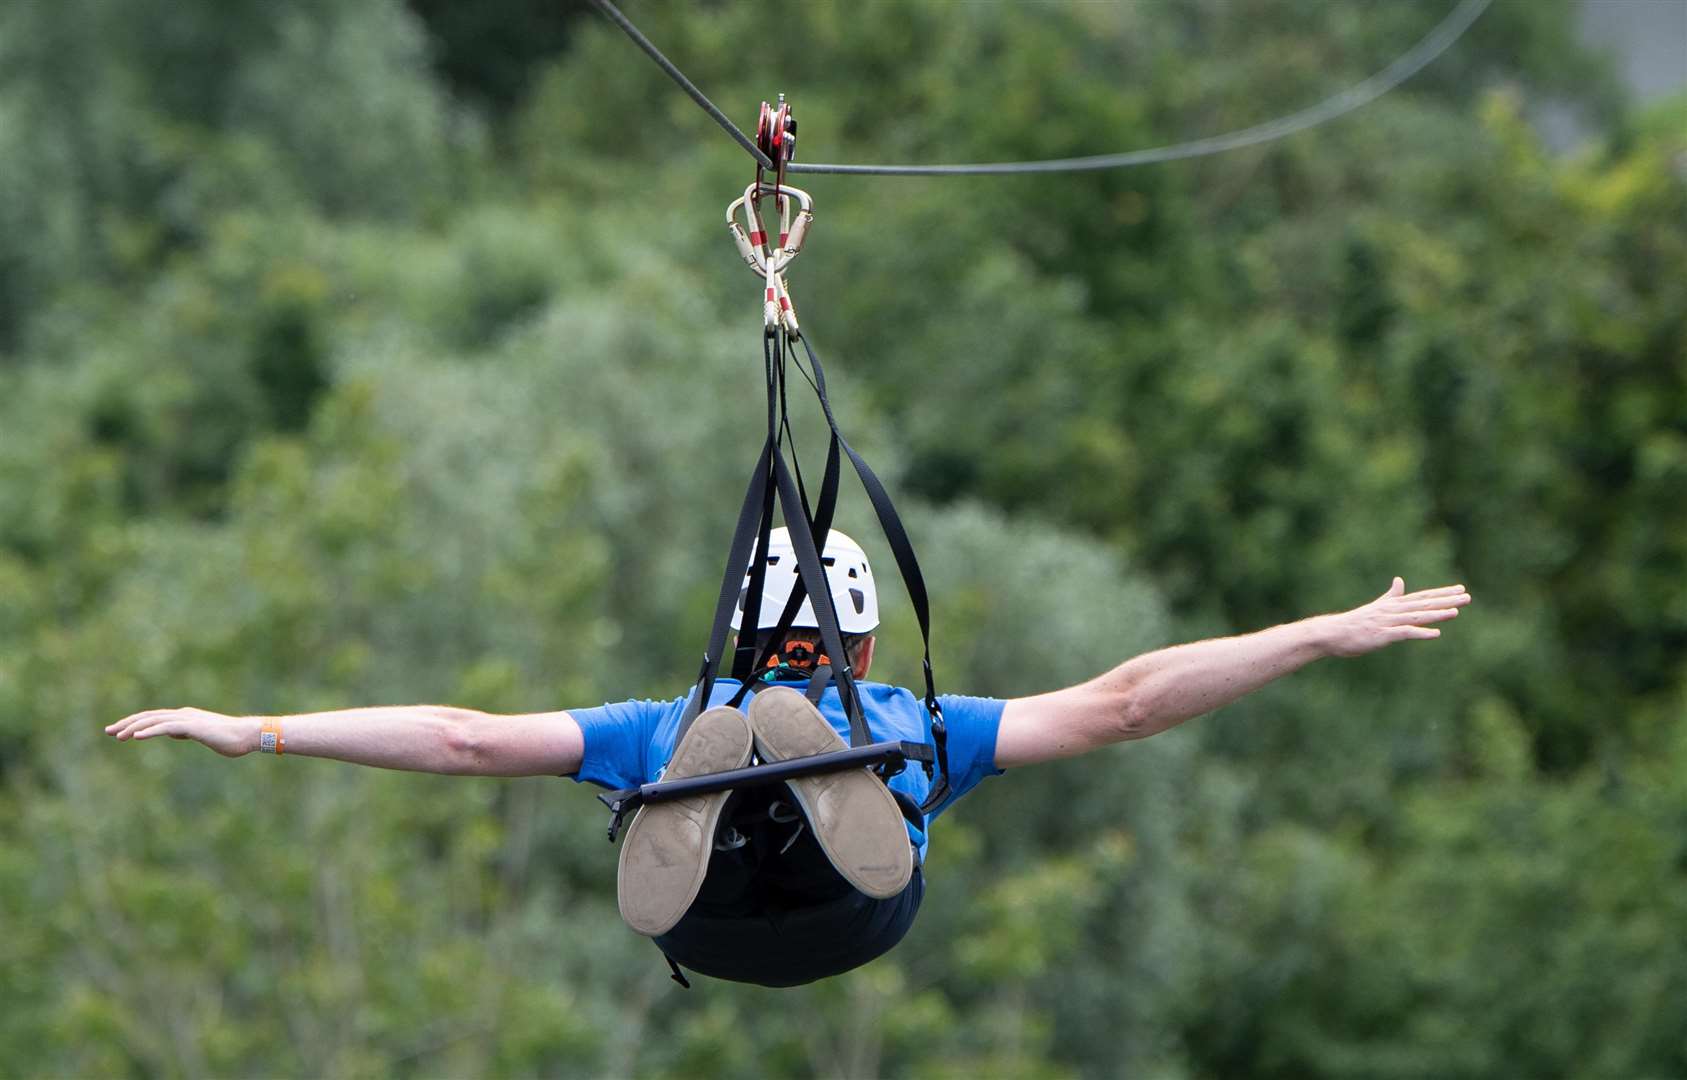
[465, 742]
[1133, 715]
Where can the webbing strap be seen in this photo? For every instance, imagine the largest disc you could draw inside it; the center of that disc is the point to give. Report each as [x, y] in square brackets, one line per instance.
[909, 566]
[808, 525]
[744, 661]
[677, 975]
[817, 684]
[813, 574]
[750, 518]
[748, 662]
[822, 526]
[755, 522]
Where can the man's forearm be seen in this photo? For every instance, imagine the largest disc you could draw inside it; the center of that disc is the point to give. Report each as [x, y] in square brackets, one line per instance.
[418, 738]
[1168, 686]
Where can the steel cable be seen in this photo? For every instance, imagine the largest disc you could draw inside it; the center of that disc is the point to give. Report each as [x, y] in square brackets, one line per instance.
[1408, 64]
[1420, 56]
[614, 15]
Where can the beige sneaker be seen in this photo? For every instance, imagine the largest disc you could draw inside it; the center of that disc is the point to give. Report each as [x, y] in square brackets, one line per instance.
[852, 813]
[665, 855]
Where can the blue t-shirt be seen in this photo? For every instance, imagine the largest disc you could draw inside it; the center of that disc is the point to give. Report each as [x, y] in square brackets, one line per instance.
[628, 743]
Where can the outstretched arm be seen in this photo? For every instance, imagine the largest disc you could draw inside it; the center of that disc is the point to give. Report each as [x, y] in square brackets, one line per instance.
[1152, 692]
[420, 738]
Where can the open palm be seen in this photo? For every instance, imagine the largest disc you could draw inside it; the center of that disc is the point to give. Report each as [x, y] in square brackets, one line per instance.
[1396, 615]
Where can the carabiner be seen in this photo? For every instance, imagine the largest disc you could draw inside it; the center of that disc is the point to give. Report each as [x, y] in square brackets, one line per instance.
[763, 259]
[753, 245]
[776, 138]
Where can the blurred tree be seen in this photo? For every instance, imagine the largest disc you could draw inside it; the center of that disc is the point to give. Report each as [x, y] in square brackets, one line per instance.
[127, 131]
[488, 52]
[315, 394]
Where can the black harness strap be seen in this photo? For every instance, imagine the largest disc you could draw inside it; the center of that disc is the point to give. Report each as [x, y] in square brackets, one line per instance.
[750, 598]
[755, 520]
[750, 518]
[808, 525]
[814, 579]
[822, 527]
[748, 662]
[909, 566]
[817, 683]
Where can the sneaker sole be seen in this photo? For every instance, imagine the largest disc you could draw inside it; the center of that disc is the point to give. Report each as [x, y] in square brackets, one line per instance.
[665, 855]
[853, 814]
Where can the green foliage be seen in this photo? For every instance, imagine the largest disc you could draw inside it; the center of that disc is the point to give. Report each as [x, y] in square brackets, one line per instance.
[354, 353]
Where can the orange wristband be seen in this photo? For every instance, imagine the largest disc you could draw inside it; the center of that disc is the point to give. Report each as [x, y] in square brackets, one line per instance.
[270, 740]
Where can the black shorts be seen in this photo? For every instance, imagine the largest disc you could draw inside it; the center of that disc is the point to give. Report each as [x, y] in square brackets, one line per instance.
[775, 912]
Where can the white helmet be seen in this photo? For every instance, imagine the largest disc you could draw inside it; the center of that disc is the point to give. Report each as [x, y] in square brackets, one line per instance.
[853, 595]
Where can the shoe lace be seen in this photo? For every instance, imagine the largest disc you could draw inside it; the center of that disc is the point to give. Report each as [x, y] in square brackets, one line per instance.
[783, 813]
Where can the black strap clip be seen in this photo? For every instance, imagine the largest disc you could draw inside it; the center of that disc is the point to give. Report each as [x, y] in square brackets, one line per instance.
[678, 975]
[892, 766]
[620, 803]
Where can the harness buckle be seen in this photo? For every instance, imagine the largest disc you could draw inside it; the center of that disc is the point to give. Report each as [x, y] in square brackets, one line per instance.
[620, 803]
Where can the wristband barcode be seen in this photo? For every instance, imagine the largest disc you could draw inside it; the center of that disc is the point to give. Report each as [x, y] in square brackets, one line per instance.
[270, 740]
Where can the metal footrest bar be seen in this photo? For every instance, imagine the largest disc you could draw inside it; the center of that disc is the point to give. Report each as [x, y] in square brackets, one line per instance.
[887, 758]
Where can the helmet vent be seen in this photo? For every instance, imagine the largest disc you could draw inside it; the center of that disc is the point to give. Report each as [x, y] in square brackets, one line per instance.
[846, 584]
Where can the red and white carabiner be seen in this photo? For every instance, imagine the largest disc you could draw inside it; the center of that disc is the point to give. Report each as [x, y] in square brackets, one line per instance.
[768, 261]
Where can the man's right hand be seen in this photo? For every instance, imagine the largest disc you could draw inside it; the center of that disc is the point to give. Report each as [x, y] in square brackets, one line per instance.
[230, 736]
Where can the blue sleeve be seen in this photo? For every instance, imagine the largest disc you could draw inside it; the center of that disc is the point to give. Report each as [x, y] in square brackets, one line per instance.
[973, 723]
[617, 742]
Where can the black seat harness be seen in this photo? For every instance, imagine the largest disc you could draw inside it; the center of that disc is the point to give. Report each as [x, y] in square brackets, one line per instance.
[778, 481]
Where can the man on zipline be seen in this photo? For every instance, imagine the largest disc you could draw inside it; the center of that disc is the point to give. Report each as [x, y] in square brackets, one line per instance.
[787, 884]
